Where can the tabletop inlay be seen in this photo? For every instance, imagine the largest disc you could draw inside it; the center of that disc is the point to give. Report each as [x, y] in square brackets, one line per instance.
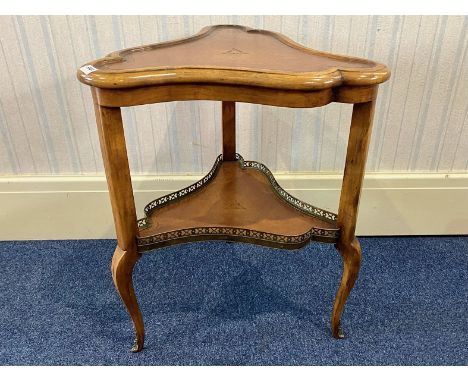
[236, 50]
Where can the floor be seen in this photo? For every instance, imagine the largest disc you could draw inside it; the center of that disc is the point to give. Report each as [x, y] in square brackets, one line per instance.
[217, 303]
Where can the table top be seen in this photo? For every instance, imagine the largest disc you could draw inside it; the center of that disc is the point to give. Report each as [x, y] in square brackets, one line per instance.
[234, 55]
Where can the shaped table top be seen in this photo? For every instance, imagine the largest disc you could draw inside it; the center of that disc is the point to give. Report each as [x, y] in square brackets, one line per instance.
[234, 55]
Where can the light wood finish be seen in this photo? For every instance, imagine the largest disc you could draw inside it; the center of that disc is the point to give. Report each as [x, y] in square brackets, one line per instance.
[229, 130]
[264, 96]
[230, 64]
[122, 266]
[348, 246]
[235, 55]
[114, 154]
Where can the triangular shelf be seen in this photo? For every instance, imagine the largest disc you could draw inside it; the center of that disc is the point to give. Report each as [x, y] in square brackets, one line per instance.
[239, 201]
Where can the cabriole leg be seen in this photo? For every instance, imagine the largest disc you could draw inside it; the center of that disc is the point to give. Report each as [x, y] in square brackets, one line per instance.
[351, 254]
[123, 263]
[348, 246]
[114, 154]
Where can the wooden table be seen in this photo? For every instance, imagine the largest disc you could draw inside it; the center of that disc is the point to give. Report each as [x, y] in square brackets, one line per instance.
[231, 63]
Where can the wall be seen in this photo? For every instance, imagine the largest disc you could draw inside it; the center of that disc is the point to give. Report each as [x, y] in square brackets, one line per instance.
[52, 184]
[47, 123]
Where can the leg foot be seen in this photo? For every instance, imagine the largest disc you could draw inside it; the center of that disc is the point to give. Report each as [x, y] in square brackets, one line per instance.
[123, 263]
[351, 254]
[137, 345]
[340, 334]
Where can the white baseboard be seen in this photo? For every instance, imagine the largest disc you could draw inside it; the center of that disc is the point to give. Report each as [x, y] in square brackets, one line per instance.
[78, 207]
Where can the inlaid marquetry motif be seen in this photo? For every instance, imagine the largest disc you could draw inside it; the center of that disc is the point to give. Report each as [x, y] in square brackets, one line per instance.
[234, 51]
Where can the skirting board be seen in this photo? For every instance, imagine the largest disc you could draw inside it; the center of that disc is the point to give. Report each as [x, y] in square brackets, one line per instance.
[78, 207]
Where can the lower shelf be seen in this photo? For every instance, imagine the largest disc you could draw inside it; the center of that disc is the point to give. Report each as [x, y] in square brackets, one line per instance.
[236, 201]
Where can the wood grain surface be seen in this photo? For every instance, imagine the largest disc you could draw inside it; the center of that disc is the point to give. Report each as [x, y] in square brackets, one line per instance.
[232, 54]
[238, 198]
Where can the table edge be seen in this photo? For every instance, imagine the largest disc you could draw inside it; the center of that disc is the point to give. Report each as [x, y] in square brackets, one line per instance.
[332, 77]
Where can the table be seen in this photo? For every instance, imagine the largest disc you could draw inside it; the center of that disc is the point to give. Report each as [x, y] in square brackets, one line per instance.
[231, 63]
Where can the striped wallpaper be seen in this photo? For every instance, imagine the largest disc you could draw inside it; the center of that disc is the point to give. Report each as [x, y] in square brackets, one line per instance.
[47, 122]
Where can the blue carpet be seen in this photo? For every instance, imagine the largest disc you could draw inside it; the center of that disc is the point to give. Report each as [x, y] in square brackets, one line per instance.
[217, 303]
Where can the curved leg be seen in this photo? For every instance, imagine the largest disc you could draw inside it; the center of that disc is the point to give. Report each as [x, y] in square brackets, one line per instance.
[351, 254]
[114, 155]
[123, 263]
[348, 245]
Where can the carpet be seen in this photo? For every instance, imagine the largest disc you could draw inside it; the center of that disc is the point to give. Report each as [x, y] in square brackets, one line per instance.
[217, 303]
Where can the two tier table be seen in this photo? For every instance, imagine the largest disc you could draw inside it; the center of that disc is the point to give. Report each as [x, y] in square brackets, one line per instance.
[231, 63]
